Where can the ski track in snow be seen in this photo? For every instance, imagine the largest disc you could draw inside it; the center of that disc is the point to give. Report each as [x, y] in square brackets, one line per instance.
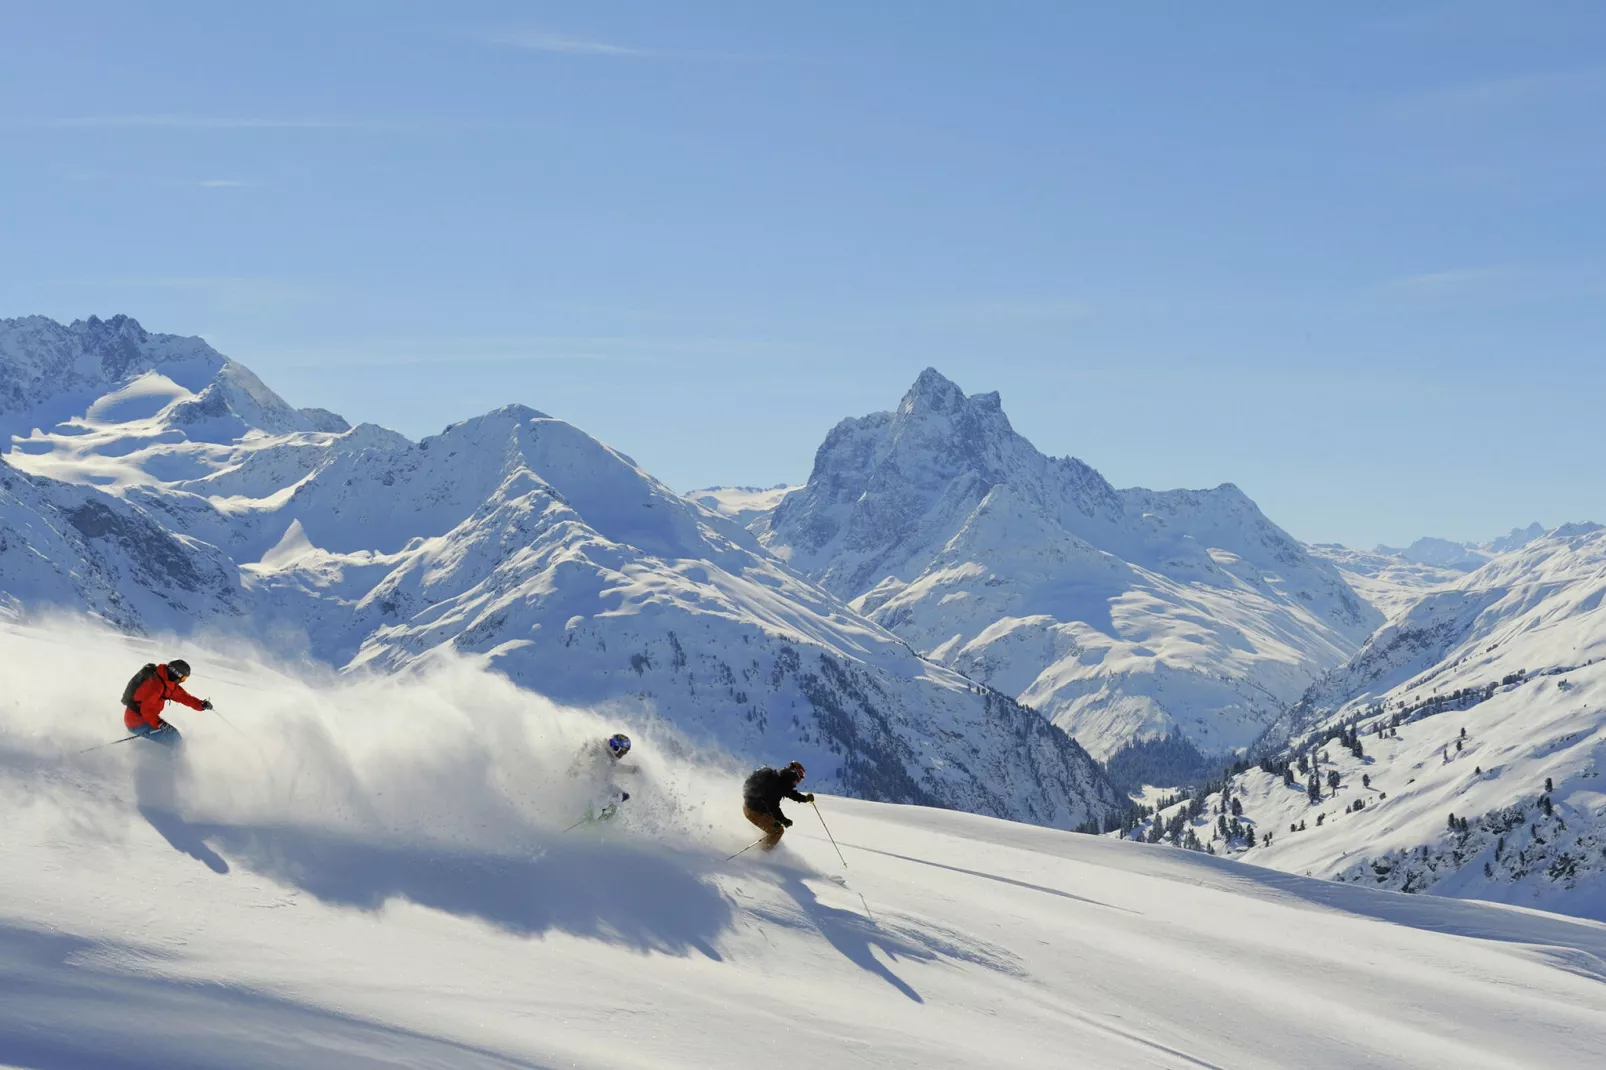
[367, 872]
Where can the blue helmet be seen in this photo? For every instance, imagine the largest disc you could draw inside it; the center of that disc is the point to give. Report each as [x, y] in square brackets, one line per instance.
[619, 744]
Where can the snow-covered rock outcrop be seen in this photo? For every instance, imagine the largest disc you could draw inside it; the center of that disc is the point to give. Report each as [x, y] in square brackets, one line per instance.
[1121, 614]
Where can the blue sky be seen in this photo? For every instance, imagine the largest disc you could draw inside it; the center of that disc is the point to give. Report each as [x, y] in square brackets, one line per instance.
[1349, 257]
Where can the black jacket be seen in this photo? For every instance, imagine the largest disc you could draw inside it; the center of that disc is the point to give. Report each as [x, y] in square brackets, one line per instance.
[765, 789]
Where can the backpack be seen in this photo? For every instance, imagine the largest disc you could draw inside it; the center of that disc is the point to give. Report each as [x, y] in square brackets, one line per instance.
[136, 682]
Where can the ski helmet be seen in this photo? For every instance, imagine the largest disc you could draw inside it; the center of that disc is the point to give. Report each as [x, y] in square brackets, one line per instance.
[178, 669]
[619, 744]
[796, 769]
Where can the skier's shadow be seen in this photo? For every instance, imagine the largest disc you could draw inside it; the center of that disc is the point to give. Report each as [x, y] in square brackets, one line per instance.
[633, 894]
[183, 837]
[854, 935]
[155, 779]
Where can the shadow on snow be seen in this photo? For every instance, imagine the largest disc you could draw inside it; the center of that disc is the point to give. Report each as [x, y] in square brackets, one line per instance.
[636, 895]
[68, 1004]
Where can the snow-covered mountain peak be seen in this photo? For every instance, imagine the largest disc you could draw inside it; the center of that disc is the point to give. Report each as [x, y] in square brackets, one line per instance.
[1575, 529]
[1515, 538]
[95, 372]
[932, 392]
[1116, 612]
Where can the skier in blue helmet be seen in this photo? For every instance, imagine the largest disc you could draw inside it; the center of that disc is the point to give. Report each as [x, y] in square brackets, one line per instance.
[596, 765]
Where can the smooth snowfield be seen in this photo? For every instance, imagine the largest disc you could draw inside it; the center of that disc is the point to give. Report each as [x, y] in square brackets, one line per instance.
[369, 872]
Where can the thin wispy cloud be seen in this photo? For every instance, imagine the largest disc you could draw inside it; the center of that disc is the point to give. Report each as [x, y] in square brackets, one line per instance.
[207, 122]
[1507, 94]
[1022, 310]
[223, 183]
[537, 40]
[471, 349]
[1449, 285]
[543, 41]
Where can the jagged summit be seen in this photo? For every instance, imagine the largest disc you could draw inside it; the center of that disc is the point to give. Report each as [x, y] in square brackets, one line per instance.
[1118, 612]
[932, 392]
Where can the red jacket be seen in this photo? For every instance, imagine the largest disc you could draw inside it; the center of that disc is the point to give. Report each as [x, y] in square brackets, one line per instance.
[150, 698]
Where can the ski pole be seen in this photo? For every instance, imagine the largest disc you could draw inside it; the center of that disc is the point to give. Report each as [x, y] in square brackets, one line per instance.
[827, 829]
[230, 723]
[749, 847]
[867, 912]
[576, 825]
[97, 746]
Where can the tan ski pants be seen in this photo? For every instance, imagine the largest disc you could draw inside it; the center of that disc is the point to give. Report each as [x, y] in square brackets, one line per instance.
[766, 823]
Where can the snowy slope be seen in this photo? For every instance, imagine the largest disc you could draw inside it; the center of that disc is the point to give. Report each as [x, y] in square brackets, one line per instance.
[73, 548]
[1121, 614]
[742, 504]
[1530, 609]
[512, 536]
[367, 872]
[1485, 693]
[1393, 579]
[1389, 582]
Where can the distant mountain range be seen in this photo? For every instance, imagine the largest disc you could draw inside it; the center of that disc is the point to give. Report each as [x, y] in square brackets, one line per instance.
[1463, 556]
[157, 484]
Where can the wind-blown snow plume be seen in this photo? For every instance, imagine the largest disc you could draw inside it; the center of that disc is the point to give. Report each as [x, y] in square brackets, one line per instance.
[449, 755]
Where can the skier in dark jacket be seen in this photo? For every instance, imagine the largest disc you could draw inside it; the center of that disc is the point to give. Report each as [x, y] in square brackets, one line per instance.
[762, 795]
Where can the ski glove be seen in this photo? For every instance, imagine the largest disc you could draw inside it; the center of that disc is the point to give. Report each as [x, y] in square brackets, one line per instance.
[624, 796]
[206, 704]
[786, 822]
[809, 797]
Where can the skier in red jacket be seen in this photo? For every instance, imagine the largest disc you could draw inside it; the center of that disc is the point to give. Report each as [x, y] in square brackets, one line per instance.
[148, 694]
